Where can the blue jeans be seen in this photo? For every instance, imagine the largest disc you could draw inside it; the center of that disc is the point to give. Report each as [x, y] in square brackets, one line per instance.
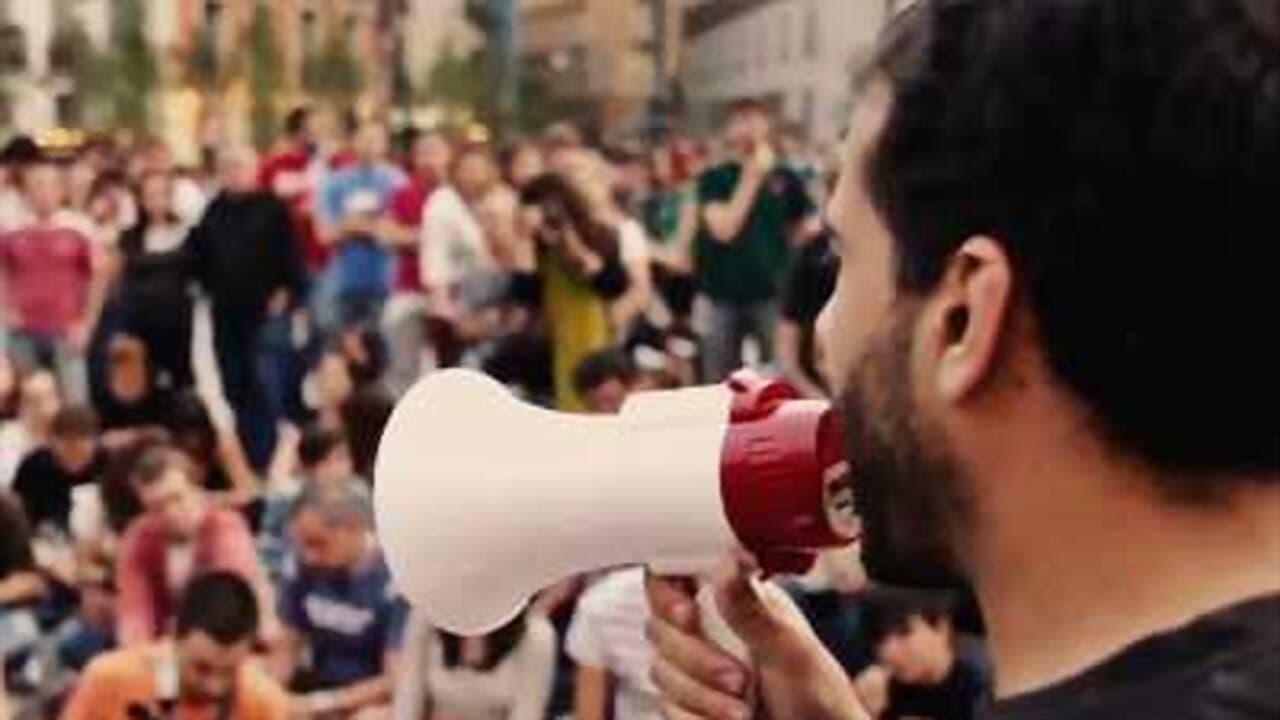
[252, 351]
[361, 308]
[33, 349]
[728, 326]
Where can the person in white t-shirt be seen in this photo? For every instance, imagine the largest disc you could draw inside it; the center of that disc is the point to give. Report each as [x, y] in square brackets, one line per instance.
[607, 641]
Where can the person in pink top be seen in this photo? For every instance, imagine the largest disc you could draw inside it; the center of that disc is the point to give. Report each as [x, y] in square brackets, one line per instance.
[180, 535]
[52, 282]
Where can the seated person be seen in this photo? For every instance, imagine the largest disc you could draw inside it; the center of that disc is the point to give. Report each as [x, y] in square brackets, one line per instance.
[180, 535]
[47, 477]
[132, 402]
[21, 585]
[918, 671]
[505, 675]
[38, 402]
[338, 607]
[323, 457]
[205, 672]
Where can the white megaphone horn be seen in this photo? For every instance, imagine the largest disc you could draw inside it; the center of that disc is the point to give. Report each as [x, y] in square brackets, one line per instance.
[482, 500]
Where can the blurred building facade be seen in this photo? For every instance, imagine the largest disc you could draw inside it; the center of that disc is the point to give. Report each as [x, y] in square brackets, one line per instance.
[600, 55]
[796, 55]
[201, 49]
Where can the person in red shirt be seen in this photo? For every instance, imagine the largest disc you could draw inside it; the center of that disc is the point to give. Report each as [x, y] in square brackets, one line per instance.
[427, 166]
[53, 282]
[180, 535]
[288, 173]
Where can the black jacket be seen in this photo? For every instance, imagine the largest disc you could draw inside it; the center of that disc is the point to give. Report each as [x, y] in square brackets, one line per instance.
[244, 249]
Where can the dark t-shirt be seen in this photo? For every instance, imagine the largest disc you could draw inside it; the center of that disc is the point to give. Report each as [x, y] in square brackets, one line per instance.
[958, 697]
[45, 487]
[812, 280]
[1223, 666]
[753, 266]
[349, 620]
[15, 536]
[152, 410]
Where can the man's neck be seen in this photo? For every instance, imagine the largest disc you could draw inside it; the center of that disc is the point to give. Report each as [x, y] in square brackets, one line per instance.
[1083, 557]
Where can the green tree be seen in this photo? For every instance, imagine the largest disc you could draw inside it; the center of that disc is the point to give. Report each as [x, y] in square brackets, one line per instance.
[132, 67]
[73, 55]
[265, 74]
[332, 72]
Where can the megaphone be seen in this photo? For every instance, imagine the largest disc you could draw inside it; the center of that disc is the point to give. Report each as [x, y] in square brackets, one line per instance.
[482, 500]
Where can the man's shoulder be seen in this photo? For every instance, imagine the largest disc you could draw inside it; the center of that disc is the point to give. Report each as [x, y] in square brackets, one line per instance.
[262, 696]
[1222, 666]
[122, 668]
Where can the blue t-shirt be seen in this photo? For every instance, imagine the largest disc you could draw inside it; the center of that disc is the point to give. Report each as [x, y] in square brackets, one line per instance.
[349, 620]
[360, 263]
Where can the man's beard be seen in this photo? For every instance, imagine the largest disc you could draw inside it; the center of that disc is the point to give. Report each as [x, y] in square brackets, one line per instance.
[910, 491]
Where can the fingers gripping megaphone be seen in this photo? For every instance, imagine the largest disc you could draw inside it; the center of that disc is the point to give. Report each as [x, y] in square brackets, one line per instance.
[482, 500]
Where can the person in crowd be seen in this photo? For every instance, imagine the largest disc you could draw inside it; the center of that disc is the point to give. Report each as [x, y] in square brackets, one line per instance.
[1010, 342]
[134, 403]
[521, 164]
[17, 154]
[338, 608]
[603, 380]
[245, 257]
[606, 640]
[751, 209]
[598, 183]
[427, 166]
[918, 671]
[670, 212]
[206, 671]
[216, 456]
[10, 388]
[111, 207]
[291, 174]
[46, 478]
[505, 675]
[811, 281]
[364, 417]
[332, 384]
[180, 535]
[323, 457]
[53, 280]
[39, 401]
[22, 586]
[352, 215]
[579, 271]
[462, 257]
[155, 283]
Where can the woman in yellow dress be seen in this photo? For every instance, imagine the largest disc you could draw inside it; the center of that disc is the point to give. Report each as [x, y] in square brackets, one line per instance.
[580, 269]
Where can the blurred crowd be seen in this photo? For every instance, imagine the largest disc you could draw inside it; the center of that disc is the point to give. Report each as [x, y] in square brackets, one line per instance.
[198, 362]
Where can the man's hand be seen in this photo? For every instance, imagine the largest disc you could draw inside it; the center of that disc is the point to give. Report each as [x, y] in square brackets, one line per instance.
[308, 706]
[793, 675]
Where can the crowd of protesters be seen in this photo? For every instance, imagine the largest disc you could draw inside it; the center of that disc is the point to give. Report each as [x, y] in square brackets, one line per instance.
[197, 364]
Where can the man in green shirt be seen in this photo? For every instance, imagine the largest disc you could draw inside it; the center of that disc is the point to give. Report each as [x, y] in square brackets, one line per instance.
[751, 209]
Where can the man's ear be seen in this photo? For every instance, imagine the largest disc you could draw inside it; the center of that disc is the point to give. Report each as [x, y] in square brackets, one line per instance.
[970, 316]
